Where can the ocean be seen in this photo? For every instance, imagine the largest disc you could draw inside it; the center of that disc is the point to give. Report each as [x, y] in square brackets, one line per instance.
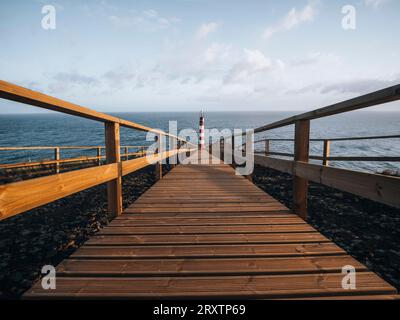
[52, 129]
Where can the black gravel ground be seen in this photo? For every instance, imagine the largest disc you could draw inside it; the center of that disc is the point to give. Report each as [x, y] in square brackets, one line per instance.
[367, 230]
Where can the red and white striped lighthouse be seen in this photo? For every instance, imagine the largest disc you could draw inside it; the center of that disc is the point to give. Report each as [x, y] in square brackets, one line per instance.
[201, 127]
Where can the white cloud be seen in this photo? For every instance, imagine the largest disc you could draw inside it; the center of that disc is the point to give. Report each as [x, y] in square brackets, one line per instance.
[148, 20]
[205, 29]
[375, 3]
[217, 52]
[292, 19]
[254, 61]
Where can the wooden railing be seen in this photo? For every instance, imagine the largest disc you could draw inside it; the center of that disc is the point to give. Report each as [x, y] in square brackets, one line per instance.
[326, 157]
[380, 188]
[21, 196]
[58, 160]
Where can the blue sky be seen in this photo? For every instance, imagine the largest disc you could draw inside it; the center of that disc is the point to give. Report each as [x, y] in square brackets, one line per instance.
[184, 55]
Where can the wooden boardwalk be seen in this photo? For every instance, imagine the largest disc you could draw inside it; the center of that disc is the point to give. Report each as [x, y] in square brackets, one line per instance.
[203, 232]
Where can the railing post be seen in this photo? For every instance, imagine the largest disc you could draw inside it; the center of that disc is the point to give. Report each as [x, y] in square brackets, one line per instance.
[126, 153]
[158, 164]
[266, 149]
[57, 158]
[222, 149]
[301, 153]
[327, 150]
[233, 151]
[172, 165]
[244, 154]
[178, 147]
[113, 155]
[98, 156]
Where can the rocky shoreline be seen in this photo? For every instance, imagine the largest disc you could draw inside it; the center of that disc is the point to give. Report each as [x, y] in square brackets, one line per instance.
[368, 231]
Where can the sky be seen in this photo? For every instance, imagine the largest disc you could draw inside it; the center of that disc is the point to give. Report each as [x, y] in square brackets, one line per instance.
[187, 55]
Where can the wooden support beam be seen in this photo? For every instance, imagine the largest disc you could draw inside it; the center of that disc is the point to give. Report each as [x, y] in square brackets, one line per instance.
[172, 161]
[266, 149]
[233, 152]
[326, 154]
[99, 156]
[301, 153]
[57, 158]
[244, 154]
[113, 155]
[126, 151]
[158, 165]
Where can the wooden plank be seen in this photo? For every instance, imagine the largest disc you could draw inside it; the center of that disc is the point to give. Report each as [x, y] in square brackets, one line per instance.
[311, 237]
[193, 267]
[199, 200]
[301, 153]
[113, 155]
[57, 159]
[158, 165]
[254, 229]
[160, 215]
[232, 209]
[207, 251]
[326, 152]
[25, 195]
[274, 163]
[196, 205]
[214, 221]
[376, 187]
[272, 286]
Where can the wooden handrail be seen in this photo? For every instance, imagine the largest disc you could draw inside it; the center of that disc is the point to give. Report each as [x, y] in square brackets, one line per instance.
[302, 139]
[18, 197]
[21, 196]
[372, 99]
[60, 161]
[339, 158]
[20, 94]
[334, 139]
[57, 155]
[62, 148]
[376, 187]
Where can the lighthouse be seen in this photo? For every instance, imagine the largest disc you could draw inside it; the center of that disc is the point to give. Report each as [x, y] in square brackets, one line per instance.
[201, 131]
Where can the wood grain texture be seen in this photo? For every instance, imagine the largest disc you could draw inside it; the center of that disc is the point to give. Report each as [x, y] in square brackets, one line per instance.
[22, 196]
[376, 187]
[175, 242]
[301, 153]
[113, 155]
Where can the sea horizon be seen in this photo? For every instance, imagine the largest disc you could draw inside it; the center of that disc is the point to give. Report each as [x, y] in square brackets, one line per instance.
[64, 130]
